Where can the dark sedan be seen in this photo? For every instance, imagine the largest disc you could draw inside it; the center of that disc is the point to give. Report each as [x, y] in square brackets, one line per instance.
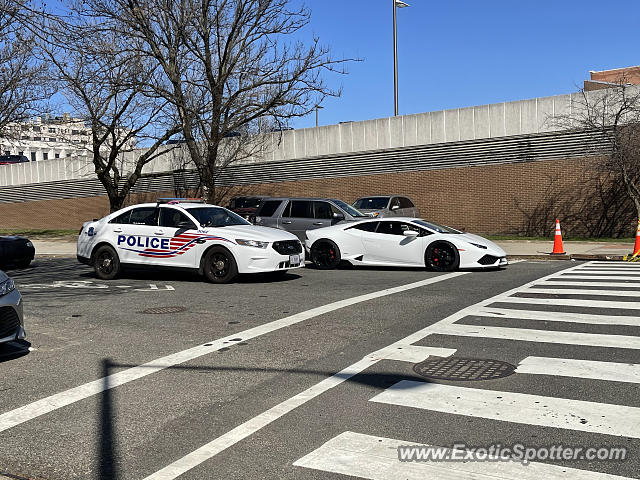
[16, 251]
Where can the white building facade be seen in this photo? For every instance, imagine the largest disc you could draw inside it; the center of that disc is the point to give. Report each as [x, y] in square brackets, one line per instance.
[48, 138]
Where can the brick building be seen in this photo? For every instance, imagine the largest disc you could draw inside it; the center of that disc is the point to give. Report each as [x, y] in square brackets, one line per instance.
[500, 168]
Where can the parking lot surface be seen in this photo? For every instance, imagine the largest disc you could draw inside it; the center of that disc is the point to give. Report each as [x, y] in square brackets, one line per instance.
[163, 376]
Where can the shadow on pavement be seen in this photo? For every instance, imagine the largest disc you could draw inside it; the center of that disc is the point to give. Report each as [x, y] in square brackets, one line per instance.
[106, 443]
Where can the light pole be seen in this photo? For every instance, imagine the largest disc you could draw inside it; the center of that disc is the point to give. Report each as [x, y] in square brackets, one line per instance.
[318, 107]
[396, 4]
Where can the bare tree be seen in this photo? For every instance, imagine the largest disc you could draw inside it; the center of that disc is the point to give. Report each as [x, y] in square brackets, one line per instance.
[228, 67]
[24, 81]
[107, 87]
[611, 117]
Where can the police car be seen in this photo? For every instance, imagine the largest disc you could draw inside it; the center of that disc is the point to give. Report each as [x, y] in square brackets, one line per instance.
[188, 234]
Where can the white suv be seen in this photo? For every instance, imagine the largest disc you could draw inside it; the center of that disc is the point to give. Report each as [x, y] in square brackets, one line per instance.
[188, 234]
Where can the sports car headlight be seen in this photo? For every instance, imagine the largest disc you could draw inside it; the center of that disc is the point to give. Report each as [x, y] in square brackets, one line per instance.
[29, 244]
[252, 243]
[7, 286]
[478, 245]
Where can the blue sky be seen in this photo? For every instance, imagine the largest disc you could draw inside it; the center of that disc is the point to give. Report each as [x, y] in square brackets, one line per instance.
[457, 53]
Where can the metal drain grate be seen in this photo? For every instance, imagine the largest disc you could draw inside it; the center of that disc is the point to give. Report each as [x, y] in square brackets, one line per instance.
[463, 369]
[160, 310]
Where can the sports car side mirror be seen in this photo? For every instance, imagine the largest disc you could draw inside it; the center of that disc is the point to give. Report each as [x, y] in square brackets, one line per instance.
[410, 233]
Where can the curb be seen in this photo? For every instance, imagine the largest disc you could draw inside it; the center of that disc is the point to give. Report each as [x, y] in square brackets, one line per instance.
[546, 256]
[576, 256]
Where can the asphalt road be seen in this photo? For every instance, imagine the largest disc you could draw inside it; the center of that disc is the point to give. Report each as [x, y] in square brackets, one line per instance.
[104, 389]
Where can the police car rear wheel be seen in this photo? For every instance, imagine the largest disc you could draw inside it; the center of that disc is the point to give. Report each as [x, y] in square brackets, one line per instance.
[220, 266]
[106, 263]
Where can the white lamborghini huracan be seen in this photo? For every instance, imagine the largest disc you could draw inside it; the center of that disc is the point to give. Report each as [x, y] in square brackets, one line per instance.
[402, 241]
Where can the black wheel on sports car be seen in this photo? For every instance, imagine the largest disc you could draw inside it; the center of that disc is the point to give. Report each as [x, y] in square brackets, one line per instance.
[325, 254]
[106, 263]
[442, 257]
[220, 266]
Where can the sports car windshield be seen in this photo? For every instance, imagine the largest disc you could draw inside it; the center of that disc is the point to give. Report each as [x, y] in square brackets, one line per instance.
[372, 203]
[435, 227]
[349, 209]
[216, 217]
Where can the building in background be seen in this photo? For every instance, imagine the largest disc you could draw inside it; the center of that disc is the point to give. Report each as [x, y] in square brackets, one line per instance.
[46, 138]
[609, 78]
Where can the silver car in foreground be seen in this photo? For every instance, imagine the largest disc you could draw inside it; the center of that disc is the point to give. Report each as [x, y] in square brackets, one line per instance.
[11, 318]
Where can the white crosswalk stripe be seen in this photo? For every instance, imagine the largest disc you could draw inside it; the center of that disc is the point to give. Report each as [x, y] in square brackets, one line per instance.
[365, 456]
[569, 367]
[553, 283]
[580, 274]
[553, 316]
[376, 458]
[580, 291]
[540, 410]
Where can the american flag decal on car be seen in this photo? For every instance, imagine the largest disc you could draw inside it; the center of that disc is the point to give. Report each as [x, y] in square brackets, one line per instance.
[167, 248]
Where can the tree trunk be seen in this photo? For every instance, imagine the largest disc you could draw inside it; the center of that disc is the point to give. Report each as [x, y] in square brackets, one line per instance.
[115, 202]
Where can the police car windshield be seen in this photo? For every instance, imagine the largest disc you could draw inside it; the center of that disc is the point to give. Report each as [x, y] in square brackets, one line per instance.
[216, 217]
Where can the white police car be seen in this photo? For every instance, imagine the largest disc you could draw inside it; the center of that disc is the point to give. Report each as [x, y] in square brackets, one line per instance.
[188, 234]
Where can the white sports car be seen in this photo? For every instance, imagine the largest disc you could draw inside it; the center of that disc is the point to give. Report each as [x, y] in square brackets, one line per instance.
[186, 234]
[402, 241]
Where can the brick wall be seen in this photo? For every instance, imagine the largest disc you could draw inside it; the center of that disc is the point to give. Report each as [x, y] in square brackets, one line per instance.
[485, 199]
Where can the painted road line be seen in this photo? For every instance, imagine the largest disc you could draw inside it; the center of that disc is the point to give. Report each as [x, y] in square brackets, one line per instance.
[590, 284]
[250, 427]
[581, 276]
[413, 353]
[376, 458]
[581, 291]
[572, 302]
[566, 367]
[558, 316]
[541, 336]
[613, 264]
[40, 407]
[568, 413]
[586, 271]
[617, 268]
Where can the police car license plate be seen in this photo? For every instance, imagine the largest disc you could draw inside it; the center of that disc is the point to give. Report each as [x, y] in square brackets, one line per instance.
[294, 260]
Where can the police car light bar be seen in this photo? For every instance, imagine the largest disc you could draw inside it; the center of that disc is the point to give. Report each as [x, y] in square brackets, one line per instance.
[173, 201]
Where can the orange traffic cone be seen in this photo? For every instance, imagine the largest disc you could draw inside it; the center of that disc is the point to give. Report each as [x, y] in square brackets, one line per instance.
[636, 248]
[558, 248]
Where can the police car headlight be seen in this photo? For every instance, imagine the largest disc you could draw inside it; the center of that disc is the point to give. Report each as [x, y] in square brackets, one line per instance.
[252, 243]
[7, 286]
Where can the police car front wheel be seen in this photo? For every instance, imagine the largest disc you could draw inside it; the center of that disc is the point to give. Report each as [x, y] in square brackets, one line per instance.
[220, 266]
[106, 263]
